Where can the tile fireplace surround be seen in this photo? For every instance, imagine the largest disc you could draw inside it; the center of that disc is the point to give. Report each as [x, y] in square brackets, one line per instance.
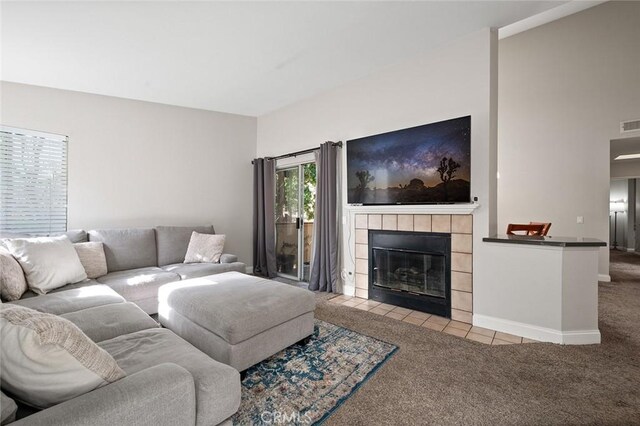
[460, 226]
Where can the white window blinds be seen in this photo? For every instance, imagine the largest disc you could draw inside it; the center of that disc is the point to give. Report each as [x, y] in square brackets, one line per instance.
[33, 182]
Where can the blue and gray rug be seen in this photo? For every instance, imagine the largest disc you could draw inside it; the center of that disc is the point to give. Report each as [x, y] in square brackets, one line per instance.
[303, 385]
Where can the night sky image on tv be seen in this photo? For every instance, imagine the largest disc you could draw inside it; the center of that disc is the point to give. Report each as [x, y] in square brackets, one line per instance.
[420, 165]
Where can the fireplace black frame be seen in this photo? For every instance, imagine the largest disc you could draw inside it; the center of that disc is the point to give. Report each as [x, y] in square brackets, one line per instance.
[440, 244]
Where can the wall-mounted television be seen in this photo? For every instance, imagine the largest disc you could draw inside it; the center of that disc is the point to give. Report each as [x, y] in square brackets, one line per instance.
[428, 164]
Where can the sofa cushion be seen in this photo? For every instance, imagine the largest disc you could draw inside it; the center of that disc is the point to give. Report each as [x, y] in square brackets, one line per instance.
[141, 283]
[109, 321]
[48, 262]
[127, 248]
[217, 385]
[236, 306]
[8, 408]
[46, 359]
[12, 281]
[71, 300]
[173, 242]
[92, 257]
[195, 270]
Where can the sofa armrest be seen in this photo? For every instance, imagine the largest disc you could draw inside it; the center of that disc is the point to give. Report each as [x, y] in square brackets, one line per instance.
[228, 258]
[162, 394]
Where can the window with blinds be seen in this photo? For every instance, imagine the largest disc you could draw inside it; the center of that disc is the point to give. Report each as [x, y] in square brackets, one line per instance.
[33, 182]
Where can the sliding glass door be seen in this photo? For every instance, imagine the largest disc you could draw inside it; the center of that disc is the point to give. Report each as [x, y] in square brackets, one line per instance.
[295, 212]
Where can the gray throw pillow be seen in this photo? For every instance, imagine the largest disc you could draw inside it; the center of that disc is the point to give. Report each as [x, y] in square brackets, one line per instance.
[12, 281]
[92, 258]
[204, 248]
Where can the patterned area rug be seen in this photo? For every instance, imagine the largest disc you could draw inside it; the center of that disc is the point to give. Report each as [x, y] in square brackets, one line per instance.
[303, 385]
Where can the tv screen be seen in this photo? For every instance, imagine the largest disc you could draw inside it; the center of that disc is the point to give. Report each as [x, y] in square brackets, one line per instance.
[427, 164]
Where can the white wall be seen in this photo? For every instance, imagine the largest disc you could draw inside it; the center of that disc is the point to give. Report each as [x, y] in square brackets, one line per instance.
[456, 80]
[564, 88]
[135, 163]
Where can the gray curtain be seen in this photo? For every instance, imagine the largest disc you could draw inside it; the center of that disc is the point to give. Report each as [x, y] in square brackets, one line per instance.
[264, 229]
[324, 265]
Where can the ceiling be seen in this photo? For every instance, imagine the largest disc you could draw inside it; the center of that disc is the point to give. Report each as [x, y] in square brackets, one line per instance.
[239, 57]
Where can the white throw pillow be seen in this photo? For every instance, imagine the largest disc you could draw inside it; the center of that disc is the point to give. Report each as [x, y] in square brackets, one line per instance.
[47, 359]
[48, 262]
[92, 258]
[204, 248]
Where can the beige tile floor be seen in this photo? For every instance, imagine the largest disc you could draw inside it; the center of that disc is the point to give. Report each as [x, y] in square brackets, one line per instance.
[432, 322]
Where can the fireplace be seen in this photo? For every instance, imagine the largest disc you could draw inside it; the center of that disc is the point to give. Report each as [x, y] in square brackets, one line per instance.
[411, 269]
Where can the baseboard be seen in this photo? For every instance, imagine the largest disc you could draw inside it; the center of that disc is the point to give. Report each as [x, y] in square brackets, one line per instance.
[604, 278]
[543, 334]
[631, 249]
[249, 269]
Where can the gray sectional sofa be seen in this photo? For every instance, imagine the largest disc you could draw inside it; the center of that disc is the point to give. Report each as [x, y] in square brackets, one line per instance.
[140, 260]
[168, 380]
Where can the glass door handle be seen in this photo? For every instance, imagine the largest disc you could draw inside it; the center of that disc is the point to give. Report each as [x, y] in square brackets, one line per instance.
[298, 223]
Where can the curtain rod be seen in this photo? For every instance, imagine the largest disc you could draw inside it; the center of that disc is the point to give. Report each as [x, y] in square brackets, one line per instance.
[295, 154]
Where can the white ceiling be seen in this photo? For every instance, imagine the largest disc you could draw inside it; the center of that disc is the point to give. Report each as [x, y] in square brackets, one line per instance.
[239, 57]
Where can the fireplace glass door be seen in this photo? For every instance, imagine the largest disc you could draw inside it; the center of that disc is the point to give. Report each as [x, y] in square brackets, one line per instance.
[410, 271]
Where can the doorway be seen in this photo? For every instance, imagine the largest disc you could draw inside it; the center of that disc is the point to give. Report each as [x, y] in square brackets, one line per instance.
[294, 219]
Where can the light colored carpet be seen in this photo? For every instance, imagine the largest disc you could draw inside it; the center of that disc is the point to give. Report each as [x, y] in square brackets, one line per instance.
[435, 378]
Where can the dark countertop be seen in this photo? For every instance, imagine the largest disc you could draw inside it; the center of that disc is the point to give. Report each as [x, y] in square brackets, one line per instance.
[546, 241]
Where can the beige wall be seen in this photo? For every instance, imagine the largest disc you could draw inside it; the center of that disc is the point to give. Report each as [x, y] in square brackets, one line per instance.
[564, 87]
[455, 80]
[135, 163]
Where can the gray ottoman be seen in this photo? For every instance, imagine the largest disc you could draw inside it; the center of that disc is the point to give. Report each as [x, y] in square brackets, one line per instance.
[237, 319]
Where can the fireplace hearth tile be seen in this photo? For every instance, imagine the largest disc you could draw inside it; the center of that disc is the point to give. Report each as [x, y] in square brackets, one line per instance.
[433, 326]
[461, 300]
[371, 303]
[461, 316]
[482, 331]
[413, 320]
[375, 221]
[461, 281]
[362, 280]
[461, 243]
[405, 222]
[455, 331]
[435, 319]
[420, 315]
[396, 315]
[362, 293]
[507, 337]
[379, 311]
[390, 222]
[362, 251]
[460, 325]
[400, 310]
[362, 267]
[362, 236]
[361, 221]
[386, 306]
[363, 307]
[462, 224]
[479, 338]
[497, 342]
[441, 223]
[422, 223]
[461, 262]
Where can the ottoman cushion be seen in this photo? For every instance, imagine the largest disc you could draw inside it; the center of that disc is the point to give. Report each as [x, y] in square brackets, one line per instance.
[195, 270]
[236, 306]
